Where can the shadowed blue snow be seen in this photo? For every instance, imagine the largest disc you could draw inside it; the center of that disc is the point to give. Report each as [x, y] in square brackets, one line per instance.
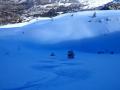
[25, 53]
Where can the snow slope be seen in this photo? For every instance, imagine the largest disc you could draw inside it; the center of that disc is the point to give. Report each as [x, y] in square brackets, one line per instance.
[26, 64]
[79, 26]
[94, 3]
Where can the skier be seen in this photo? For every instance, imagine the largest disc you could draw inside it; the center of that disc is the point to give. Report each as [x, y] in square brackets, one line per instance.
[70, 54]
[94, 15]
[52, 54]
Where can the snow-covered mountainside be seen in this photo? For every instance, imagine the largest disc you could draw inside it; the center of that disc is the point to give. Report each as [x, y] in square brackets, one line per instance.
[89, 3]
[34, 56]
[78, 25]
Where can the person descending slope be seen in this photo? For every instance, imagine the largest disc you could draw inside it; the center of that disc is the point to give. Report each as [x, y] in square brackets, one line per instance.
[70, 54]
[52, 54]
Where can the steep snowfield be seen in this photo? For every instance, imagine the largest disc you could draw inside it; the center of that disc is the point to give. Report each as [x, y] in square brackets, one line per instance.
[25, 53]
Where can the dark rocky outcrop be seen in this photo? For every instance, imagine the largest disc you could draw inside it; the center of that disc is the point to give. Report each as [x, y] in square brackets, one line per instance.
[111, 6]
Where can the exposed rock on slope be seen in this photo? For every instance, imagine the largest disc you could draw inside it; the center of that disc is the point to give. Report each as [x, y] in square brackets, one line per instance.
[111, 6]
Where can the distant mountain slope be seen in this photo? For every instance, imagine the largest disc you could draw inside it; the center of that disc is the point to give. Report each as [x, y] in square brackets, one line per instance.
[16, 11]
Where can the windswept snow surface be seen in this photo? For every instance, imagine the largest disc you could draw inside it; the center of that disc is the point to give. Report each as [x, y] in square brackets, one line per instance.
[25, 53]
